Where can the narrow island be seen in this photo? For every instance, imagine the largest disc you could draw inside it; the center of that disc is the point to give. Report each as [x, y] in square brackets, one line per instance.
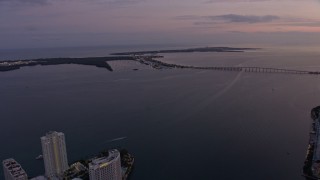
[189, 50]
[102, 62]
[150, 58]
[90, 61]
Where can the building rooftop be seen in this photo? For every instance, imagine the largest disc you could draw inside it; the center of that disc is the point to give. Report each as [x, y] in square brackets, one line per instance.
[51, 134]
[104, 161]
[14, 168]
[39, 178]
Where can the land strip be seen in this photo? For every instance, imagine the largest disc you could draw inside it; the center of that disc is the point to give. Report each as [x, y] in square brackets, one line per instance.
[90, 61]
[190, 50]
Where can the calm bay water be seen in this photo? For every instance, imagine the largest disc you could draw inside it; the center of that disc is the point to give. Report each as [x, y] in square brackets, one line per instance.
[179, 124]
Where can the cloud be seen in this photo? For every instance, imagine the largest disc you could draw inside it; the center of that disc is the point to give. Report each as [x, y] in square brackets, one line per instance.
[234, 18]
[228, 18]
[47, 2]
[252, 23]
[188, 17]
[249, 1]
[29, 2]
[303, 24]
[299, 22]
[123, 2]
[234, 1]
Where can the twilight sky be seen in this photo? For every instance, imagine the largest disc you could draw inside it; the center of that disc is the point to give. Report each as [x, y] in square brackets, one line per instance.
[60, 23]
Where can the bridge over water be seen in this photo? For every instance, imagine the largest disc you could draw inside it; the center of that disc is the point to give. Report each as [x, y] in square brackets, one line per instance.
[260, 70]
[149, 60]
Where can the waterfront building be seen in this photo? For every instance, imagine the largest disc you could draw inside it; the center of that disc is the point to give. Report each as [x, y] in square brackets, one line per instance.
[106, 168]
[316, 152]
[76, 171]
[54, 154]
[39, 178]
[315, 140]
[13, 171]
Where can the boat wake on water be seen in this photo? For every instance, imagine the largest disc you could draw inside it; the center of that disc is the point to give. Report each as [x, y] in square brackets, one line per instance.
[116, 139]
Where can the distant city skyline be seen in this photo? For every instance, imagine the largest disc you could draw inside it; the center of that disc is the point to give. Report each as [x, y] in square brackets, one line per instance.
[58, 23]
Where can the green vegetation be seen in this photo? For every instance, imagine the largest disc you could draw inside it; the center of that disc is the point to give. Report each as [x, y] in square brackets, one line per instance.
[91, 61]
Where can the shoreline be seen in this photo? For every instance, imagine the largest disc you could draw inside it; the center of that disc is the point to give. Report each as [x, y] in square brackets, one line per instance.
[311, 168]
[9, 65]
[90, 61]
[190, 50]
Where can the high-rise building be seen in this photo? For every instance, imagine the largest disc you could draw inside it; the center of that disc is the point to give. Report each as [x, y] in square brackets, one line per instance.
[13, 170]
[54, 154]
[106, 168]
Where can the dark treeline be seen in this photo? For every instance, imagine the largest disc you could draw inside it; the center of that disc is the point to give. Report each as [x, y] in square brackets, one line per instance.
[91, 61]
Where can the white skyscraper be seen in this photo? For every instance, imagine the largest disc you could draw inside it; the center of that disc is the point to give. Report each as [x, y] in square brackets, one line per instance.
[13, 171]
[106, 168]
[54, 154]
